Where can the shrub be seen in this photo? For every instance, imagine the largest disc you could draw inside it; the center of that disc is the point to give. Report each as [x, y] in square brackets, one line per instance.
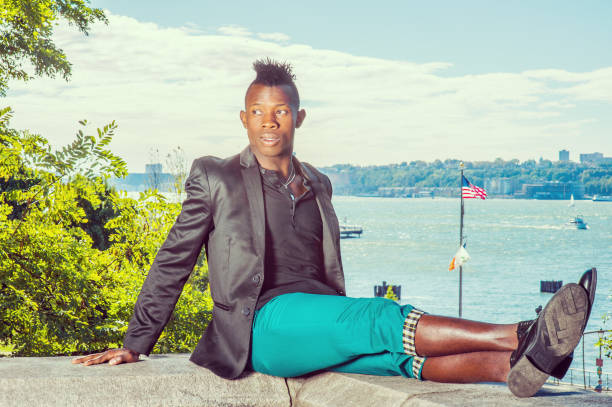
[61, 292]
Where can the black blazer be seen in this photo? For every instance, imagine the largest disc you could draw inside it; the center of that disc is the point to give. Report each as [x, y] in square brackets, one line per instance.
[224, 210]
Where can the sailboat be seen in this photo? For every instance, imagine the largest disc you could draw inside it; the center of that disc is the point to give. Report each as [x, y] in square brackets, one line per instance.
[571, 204]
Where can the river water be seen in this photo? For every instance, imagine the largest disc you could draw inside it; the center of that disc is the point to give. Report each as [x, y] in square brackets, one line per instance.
[513, 245]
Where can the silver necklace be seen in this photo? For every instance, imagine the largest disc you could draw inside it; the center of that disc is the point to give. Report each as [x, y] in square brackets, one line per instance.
[291, 176]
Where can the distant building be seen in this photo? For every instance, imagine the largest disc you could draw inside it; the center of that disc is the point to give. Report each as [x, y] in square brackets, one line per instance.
[591, 158]
[500, 186]
[397, 192]
[551, 190]
[418, 192]
[153, 177]
[595, 158]
[153, 168]
[563, 155]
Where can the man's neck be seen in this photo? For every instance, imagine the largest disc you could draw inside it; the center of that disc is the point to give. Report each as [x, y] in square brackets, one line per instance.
[281, 165]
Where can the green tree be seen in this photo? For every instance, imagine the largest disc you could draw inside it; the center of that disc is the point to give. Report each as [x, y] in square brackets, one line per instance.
[97, 218]
[59, 294]
[596, 180]
[26, 30]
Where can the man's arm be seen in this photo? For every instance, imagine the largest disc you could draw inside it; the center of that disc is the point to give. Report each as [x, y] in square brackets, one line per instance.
[328, 185]
[169, 272]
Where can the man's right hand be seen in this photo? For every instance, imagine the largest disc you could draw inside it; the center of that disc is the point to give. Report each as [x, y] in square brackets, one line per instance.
[112, 356]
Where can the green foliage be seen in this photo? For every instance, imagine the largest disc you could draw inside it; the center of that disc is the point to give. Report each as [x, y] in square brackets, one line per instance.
[605, 339]
[26, 29]
[190, 318]
[390, 294]
[97, 217]
[6, 349]
[61, 292]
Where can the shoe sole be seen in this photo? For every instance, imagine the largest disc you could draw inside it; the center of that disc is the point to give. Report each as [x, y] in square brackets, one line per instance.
[560, 371]
[560, 326]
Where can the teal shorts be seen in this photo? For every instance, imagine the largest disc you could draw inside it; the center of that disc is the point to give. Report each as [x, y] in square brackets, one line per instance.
[298, 333]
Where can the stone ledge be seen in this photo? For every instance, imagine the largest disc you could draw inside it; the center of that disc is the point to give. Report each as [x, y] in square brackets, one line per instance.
[171, 380]
[333, 389]
[161, 380]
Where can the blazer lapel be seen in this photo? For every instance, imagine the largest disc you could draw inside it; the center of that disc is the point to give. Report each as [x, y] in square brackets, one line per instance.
[331, 230]
[327, 213]
[254, 191]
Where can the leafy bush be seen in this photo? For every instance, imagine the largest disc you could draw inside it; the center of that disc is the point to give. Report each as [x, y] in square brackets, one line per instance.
[61, 292]
[390, 294]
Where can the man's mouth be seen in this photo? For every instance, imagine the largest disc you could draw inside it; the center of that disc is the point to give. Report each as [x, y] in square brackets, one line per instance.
[269, 139]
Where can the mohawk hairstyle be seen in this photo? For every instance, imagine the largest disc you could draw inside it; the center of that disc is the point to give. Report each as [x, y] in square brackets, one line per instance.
[273, 73]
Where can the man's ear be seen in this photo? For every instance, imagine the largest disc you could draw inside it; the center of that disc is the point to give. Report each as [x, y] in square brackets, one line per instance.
[243, 118]
[301, 115]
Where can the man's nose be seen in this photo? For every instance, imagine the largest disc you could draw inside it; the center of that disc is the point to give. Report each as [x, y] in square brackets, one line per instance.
[269, 121]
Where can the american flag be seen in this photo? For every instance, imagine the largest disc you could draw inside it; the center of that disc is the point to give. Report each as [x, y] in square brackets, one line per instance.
[472, 191]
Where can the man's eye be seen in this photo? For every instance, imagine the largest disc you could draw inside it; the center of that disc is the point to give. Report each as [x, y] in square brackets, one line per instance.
[256, 111]
[281, 112]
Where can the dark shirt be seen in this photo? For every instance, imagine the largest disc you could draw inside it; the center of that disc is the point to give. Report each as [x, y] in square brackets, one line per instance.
[294, 235]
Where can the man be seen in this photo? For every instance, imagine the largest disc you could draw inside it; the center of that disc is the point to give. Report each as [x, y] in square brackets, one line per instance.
[272, 246]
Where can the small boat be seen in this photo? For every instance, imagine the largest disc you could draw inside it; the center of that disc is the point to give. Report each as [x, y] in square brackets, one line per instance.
[347, 231]
[602, 198]
[571, 204]
[579, 222]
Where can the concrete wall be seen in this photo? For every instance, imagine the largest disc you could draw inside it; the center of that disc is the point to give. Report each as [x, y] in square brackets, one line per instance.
[171, 380]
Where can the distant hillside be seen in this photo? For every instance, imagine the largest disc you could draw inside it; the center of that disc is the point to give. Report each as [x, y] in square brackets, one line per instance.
[555, 180]
[541, 179]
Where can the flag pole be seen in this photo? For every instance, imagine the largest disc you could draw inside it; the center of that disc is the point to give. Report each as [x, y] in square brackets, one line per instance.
[461, 236]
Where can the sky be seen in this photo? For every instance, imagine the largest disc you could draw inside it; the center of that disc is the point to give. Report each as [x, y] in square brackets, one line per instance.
[381, 82]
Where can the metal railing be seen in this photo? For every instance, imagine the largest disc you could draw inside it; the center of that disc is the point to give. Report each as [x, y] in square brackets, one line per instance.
[574, 374]
[587, 379]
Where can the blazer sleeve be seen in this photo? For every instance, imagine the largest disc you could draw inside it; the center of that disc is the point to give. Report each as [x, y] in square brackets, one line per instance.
[173, 264]
[328, 185]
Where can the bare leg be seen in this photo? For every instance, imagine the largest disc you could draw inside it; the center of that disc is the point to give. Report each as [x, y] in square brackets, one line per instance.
[468, 367]
[440, 336]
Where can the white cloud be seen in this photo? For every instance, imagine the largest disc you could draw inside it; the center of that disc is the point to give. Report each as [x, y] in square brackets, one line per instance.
[235, 30]
[557, 105]
[180, 86]
[278, 37]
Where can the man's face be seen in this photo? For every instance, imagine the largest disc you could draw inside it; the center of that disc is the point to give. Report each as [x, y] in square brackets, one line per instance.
[271, 120]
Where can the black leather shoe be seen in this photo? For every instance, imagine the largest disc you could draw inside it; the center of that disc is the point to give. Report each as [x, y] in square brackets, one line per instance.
[524, 333]
[549, 340]
[588, 281]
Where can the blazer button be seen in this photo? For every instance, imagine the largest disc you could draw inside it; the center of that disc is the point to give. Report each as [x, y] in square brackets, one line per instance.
[246, 311]
[256, 278]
